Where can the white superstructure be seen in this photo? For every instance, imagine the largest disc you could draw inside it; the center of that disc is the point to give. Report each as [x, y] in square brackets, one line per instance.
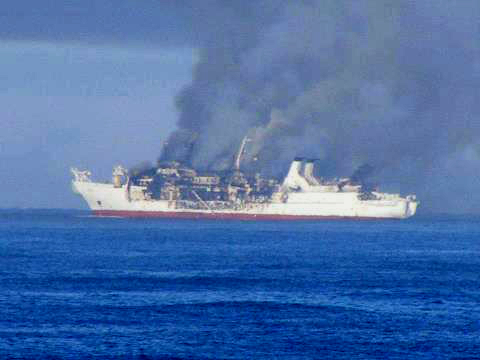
[300, 196]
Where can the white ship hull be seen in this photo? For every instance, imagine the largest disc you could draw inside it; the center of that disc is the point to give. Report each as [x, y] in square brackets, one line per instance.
[107, 200]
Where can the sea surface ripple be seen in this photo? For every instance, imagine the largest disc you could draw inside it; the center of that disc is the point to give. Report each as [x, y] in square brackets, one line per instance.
[74, 286]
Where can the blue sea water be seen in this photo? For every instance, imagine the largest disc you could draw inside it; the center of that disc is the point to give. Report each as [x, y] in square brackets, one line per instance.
[74, 286]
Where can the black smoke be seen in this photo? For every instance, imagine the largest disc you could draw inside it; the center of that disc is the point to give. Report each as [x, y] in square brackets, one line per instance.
[362, 174]
[389, 83]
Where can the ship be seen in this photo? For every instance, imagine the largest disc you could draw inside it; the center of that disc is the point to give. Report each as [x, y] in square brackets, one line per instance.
[174, 190]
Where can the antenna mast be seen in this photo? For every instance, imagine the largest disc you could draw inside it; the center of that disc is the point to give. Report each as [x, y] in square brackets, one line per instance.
[240, 153]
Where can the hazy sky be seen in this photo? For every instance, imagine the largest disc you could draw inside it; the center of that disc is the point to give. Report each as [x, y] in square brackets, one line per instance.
[93, 83]
[87, 84]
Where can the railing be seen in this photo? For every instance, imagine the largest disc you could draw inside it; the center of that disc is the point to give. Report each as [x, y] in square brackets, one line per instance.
[81, 175]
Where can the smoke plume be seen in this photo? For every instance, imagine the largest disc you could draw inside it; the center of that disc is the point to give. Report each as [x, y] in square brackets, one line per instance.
[394, 84]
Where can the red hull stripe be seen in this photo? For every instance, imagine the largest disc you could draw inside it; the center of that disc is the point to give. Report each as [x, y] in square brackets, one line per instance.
[218, 216]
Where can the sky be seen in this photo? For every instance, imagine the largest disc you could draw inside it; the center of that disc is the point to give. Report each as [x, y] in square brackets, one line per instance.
[96, 83]
[80, 86]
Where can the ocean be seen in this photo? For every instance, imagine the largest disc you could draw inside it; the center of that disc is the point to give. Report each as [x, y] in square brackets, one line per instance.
[73, 286]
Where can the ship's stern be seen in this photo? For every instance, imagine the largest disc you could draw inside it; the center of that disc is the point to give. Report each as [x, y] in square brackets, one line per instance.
[412, 205]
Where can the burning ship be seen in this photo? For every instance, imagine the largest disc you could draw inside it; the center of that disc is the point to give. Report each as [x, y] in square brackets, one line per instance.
[173, 190]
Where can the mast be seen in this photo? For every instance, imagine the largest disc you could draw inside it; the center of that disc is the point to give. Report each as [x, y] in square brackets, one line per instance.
[240, 153]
